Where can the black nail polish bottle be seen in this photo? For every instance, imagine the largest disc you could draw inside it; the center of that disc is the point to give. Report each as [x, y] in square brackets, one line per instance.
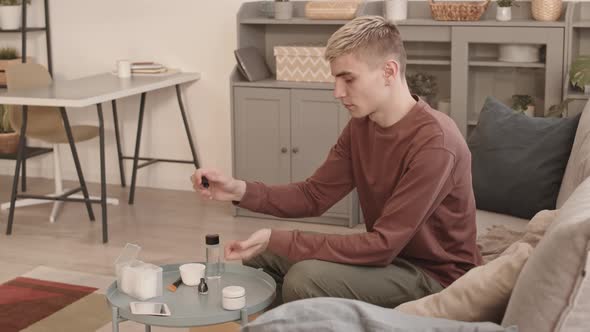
[203, 288]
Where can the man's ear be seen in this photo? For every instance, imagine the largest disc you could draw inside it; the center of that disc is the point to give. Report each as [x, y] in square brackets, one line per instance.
[390, 71]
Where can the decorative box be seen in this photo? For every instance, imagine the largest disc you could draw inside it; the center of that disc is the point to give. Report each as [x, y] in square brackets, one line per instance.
[302, 64]
[331, 10]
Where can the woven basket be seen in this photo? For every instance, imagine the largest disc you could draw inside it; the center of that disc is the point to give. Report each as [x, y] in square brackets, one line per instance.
[458, 10]
[546, 10]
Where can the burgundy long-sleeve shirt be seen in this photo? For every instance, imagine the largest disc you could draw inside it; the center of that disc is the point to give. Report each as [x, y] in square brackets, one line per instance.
[414, 186]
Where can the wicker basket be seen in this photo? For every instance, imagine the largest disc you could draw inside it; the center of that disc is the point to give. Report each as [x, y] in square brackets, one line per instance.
[458, 10]
[546, 10]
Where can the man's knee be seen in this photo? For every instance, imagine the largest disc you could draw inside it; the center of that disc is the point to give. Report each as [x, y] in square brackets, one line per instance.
[304, 280]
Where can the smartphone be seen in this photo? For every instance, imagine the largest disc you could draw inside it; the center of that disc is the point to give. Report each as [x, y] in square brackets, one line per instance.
[149, 308]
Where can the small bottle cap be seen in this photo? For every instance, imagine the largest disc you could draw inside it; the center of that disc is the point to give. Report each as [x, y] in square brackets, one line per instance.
[212, 239]
[233, 291]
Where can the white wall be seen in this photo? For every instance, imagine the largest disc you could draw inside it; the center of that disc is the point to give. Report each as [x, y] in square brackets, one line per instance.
[88, 37]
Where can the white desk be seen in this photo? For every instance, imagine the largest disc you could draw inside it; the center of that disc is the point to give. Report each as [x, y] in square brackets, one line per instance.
[87, 91]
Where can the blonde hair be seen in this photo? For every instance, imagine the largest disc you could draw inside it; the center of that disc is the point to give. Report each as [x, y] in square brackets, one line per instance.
[372, 38]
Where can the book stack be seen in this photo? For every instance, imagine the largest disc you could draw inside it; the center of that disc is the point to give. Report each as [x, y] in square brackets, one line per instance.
[147, 68]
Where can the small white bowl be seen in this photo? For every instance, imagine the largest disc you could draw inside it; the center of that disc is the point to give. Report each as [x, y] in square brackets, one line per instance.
[192, 273]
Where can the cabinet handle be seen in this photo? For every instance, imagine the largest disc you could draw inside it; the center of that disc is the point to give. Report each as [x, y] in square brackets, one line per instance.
[295, 150]
[283, 150]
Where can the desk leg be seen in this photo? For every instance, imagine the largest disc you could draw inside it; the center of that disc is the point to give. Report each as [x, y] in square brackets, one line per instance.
[115, 312]
[20, 154]
[23, 186]
[64, 116]
[103, 186]
[118, 138]
[186, 127]
[137, 144]
[148, 328]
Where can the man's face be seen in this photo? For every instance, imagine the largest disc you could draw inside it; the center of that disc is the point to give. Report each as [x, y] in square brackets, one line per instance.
[360, 88]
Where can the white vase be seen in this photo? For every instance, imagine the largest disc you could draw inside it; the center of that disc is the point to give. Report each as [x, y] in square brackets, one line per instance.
[530, 110]
[10, 17]
[283, 10]
[587, 89]
[395, 10]
[504, 14]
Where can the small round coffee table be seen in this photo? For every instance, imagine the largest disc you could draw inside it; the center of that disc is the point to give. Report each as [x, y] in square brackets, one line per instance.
[188, 308]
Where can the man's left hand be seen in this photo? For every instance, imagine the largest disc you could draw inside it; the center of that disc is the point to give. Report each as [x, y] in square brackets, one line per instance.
[249, 248]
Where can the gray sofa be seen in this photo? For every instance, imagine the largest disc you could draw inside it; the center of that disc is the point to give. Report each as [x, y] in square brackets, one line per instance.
[552, 292]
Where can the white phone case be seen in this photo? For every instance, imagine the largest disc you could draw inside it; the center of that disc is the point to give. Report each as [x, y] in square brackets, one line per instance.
[149, 308]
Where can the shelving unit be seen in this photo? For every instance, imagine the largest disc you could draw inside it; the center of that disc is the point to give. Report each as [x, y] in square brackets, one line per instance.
[493, 62]
[463, 56]
[578, 43]
[31, 152]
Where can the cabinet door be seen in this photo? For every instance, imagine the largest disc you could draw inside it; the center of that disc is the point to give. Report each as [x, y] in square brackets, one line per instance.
[262, 135]
[317, 119]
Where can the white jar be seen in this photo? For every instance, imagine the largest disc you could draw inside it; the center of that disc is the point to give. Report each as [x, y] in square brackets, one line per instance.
[396, 10]
[234, 298]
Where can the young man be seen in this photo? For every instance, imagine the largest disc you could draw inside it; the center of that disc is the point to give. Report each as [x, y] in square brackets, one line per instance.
[411, 168]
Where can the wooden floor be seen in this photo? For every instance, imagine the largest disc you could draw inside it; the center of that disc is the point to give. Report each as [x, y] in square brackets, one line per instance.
[170, 226]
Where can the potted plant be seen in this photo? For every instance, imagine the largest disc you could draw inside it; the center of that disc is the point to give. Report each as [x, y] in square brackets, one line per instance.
[504, 10]
[8, 137]
[283, 9]
[580, 73]
[558, 110]
[10, 14]
[523, 104]
[422, 84]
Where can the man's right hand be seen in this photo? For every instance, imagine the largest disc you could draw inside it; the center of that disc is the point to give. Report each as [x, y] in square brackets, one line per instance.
[221, 187]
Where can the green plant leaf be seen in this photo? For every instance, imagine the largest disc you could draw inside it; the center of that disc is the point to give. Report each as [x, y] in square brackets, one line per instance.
[580, 71]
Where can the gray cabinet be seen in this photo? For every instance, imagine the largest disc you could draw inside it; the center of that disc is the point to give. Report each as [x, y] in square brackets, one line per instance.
[283, 136]
[262, 135]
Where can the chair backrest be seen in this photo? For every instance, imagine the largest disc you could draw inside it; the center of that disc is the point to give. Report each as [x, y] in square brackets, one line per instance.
[40, 120]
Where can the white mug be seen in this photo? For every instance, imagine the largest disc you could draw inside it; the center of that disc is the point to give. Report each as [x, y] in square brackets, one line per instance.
[124, 68]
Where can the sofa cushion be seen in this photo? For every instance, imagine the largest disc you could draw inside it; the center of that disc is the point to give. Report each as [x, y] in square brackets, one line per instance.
[480, 295]
[335, 315]
[500, 237]
[487, 219]
[518, 161]
[547, 292]
[578, 166]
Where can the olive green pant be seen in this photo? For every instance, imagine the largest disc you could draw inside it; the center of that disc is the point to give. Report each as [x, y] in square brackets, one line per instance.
[387, 286]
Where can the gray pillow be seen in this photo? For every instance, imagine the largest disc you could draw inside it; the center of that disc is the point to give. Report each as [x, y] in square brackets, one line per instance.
[335, 315]
[518, 161]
